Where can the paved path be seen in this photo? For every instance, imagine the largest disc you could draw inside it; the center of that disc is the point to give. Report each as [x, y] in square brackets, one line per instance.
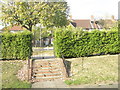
[95, 86]
[60, 84]
[43, 49]
[50, 84]
[41, 57]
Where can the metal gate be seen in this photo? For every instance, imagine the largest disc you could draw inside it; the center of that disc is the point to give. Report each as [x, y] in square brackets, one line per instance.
[42, 46]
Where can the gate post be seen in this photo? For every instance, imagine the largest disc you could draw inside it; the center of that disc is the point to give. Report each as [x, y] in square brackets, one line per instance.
[29, 69]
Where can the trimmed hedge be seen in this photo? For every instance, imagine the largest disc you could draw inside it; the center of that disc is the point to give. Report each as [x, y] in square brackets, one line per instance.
[73, 42]
[16, 45]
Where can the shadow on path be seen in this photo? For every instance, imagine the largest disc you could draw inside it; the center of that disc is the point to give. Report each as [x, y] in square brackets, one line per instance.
[42, 57]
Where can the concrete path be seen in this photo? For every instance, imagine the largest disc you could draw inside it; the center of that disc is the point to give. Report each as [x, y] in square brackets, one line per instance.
[60, 84]
[43, 49]
[41, 57]
[95, 86]
[50, 84]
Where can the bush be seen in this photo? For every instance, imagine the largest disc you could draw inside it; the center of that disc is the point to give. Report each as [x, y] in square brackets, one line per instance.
[73, 42]
[16, 45]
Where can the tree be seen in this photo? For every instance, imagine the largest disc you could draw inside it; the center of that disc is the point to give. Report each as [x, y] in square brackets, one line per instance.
[28, 14]
[107, 23]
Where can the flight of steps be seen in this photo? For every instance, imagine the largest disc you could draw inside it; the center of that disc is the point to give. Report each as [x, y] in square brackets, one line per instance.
[47, 69]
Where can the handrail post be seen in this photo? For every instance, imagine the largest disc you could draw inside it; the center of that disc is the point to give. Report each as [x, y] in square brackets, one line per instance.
[29, 69]
[64, 64]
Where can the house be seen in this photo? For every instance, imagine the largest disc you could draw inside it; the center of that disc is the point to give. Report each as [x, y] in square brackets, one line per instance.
[86, 24]
[90, 24]
[13, 29]
[108, 23]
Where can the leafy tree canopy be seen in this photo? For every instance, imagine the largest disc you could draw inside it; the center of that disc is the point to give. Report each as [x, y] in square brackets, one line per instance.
[28, 14]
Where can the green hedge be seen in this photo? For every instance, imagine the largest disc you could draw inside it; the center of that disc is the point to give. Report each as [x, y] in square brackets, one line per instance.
[73, 42]
[16, 45]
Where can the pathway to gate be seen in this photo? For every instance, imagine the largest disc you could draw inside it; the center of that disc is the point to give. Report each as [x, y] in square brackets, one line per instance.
[50, 84]
[43, 53]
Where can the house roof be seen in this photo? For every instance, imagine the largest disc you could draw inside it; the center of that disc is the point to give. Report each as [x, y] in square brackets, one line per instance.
[82, 23]
[14, 28]
[86, 23]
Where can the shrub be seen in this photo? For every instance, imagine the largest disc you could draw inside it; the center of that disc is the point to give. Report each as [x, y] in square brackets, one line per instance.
[16, 45]
[73, 42]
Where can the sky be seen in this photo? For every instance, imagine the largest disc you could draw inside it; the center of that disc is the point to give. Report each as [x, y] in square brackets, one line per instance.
[83, 9]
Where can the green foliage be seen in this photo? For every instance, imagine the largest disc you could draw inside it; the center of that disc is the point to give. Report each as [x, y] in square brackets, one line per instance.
[108, 23]
[68, 82]
[28, 14]
[82, 80]
[72, 42]
[16, 45]
[42, 32]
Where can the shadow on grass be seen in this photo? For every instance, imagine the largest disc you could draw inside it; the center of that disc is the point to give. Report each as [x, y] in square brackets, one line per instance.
[68, 67]
[92, 55]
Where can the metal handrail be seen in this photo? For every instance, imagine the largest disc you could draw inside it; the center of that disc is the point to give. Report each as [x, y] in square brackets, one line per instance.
[63, 59]
[65, 65]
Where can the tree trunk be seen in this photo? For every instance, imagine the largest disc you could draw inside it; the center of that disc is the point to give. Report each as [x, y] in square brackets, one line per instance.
[30, 29]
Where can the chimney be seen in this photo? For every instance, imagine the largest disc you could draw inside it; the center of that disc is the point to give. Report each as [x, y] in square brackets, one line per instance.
[113, 17]
[92, 18]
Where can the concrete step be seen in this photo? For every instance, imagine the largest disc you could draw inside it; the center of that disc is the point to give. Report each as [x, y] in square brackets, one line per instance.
[41, 66]
[47, 63]
[49, 69]
[42, 63]
[44, 72]
[44, 60]
[44, 68]
[48, 77]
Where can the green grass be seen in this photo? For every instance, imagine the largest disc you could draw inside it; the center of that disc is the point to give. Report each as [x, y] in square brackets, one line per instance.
[95, 70]
[9, 78]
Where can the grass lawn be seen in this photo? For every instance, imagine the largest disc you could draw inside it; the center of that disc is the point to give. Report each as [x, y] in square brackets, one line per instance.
[95, 70]
[9, 72]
